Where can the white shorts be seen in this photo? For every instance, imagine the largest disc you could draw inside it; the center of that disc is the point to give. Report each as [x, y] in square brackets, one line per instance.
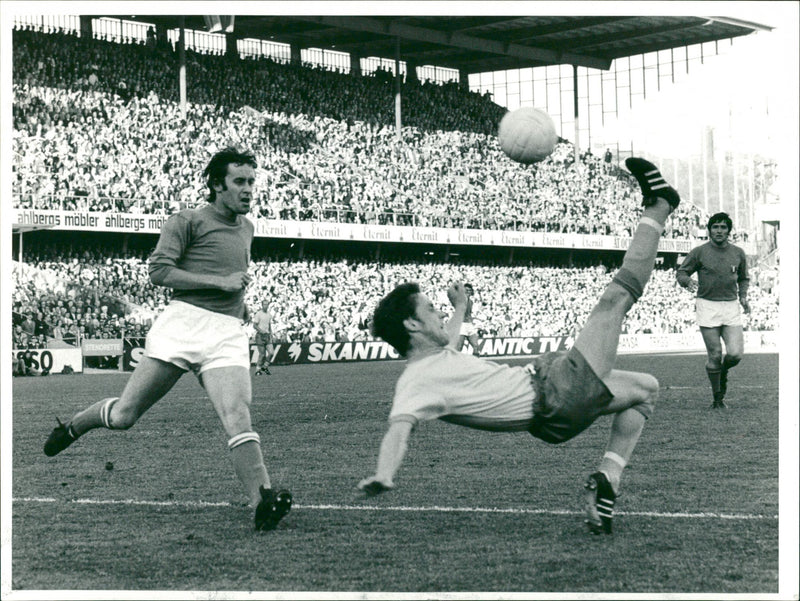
[713, 314]
[196, 339]
[468, 329]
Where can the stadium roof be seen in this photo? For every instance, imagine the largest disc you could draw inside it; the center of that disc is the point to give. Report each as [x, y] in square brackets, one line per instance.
[478, 44]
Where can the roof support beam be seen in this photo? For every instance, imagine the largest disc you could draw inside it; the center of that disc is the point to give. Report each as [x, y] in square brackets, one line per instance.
[459, 40]
[459, 23]
[599, 40]
[571, 25]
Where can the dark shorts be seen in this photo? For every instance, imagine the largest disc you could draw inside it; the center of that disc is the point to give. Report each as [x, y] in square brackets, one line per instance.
[569, 396]
[263, 339]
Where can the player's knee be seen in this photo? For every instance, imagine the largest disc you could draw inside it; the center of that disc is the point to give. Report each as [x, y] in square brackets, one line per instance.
[714, 357]
[732, 359]
[646, 408]
[650, 385]
[122, 417]
[649, 393]
[650, 388]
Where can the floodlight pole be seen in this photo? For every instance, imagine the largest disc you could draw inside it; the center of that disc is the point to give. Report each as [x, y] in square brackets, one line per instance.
[576, 142]
[398, 121]
[182, 64]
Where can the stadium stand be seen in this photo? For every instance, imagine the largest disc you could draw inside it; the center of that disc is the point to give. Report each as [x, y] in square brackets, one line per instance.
[98, 127]
[68, 295]
[328, 157]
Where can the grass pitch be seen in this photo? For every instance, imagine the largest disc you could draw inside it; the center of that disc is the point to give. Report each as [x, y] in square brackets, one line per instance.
[473, 511]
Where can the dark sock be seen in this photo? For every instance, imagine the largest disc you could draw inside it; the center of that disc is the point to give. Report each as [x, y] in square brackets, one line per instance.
[713, 377]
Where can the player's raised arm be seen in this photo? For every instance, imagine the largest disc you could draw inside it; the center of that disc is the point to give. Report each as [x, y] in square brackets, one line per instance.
[393, 450]
[458, 298]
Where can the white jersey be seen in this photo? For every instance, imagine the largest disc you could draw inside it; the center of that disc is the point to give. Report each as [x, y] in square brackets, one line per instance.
[465, 390]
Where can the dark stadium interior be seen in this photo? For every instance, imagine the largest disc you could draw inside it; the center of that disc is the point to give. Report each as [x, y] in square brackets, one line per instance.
[481, 43]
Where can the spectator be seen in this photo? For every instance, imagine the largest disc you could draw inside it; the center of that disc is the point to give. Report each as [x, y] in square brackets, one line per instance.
[26, 366]
[58, 331]
[29, 326]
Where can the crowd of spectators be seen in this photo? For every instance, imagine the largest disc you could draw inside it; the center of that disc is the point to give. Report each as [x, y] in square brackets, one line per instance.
[63, 296]
[98, 127]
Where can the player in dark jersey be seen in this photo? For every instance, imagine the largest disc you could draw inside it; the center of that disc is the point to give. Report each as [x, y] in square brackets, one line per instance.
[203, 255]
[722, 284]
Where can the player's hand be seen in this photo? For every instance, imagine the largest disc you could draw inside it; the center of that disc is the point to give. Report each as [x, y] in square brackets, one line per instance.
[235, 281]
[456, 294]
[373, 486]
[692, 286]
[745, 305]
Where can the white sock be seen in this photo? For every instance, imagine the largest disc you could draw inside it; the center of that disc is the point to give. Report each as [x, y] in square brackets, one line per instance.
[612, 465]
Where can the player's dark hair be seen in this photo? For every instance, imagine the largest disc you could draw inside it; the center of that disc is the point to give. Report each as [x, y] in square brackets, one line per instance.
[392, 311]
[217, 168]
[720, 218]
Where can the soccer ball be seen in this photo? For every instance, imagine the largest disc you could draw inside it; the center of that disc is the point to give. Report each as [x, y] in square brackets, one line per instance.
[527, 135]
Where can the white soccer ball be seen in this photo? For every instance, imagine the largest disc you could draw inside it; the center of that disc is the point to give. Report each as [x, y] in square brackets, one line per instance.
[527, 135]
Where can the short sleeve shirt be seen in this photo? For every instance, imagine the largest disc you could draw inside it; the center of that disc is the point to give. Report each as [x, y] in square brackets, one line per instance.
[464, 389]
[263, 322]
[200, 241]
[721, 271]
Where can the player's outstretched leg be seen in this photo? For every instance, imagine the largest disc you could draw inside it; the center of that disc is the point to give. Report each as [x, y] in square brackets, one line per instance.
[151, 380]
[599, 338]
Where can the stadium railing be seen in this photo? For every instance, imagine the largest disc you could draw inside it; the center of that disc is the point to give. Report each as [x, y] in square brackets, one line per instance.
[322, 213]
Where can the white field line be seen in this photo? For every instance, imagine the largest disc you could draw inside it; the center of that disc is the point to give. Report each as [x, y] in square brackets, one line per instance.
[708, 387]
[433, 508]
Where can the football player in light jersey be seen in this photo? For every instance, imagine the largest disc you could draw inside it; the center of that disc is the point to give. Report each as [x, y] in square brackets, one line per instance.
[468, 329]
[555, 397]
[722, 284]
[262, 321]
[203, 255]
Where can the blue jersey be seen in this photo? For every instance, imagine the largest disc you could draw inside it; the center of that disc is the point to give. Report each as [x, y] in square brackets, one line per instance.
[721, 271]
[202, 241]
[468, 311]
